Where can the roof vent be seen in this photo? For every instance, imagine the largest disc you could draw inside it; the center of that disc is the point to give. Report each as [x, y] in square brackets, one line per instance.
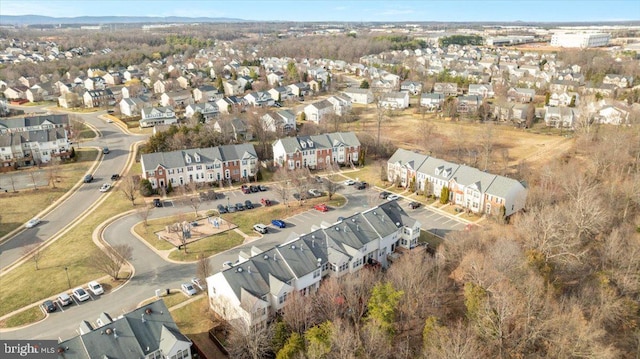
[148, 311]
[115, 335]
[266, 256]
[353, 220]
[239, 269]
[313, 243]
[313, 236]
[293, 246]
[374, 213]
[248, 269]
[338, 229]
[142, 318]
[108, 331]
[345, 229]
[398, 224]
[358, 227]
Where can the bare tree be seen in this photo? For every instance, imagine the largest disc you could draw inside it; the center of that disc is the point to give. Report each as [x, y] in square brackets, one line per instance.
[252, 342]
[129, 189]
[33, 179]
[53, 172]
[298, 313]
[195, 204]
[203, 269]
[486, 142]
[112, 259]
[143, 213]
[331, 187]
[381, 116]
[281, 186]
[13, 182]
[34, 252]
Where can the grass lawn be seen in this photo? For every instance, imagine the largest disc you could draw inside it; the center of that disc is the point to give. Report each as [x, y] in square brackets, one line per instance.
[136, 169]
[25, 204]
[369, 173]
[194, 322]
[245, 222]
[175, 297]
[28, 316]
[208, 246]
[25, 285]
[430, 238]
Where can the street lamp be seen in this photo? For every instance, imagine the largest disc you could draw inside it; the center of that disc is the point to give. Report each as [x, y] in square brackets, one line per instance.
[66, 270]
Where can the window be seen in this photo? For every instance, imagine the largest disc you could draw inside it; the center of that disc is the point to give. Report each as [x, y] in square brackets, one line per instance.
[171, 172]
[244, 162]
[316, 273]
[190, 168]
[160, 172]
[199, 167]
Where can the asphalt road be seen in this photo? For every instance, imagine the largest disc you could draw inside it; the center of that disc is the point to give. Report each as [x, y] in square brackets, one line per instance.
[152, 272]
[114, 162]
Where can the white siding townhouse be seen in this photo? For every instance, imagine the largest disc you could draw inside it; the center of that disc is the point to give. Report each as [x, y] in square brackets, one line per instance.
[283, 120]
[200, 165]
[470, 188]
[32, 140]
[152, 116]
[316, 152]
[256, 287]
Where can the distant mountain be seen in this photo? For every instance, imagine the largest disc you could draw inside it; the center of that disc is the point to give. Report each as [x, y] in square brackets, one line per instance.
[96, 20]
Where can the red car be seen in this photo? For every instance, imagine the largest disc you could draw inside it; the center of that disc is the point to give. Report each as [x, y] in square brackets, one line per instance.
[265, 202]
[321, 207]
[245, 189]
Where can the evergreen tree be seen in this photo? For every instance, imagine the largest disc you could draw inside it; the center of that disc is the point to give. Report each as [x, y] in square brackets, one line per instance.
[444, 195]
[364, 84]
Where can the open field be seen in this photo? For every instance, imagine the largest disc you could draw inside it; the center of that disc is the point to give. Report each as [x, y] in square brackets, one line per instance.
[31, 315]
[25, 204]
[456, 140]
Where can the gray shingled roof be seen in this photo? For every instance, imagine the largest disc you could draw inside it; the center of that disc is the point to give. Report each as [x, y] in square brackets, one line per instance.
[176, 159]
[502, 186]
[292, 144]
[134, 335]
[468, 176]
[405, 157]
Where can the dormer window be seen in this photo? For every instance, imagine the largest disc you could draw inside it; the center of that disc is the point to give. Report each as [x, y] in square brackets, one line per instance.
[187, 158]
[197, 157]
[303, 144]
[310, 143]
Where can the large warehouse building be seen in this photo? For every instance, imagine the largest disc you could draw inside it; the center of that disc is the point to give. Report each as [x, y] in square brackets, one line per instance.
[580, 40]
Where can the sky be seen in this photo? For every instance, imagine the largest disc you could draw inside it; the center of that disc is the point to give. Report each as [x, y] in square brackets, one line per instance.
[359, 10]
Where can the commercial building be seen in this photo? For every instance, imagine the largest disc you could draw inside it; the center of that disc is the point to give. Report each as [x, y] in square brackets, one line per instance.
[580, 40]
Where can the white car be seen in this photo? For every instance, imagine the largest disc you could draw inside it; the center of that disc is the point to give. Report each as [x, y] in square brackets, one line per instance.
[81, 294]
[392, 197]
[105, 187]
[33, 222]
[109, 121]
[349, 182]
[188, 289]
[95, 288]
[198, 284]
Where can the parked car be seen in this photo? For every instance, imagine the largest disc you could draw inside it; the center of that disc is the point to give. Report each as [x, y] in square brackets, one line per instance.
[115, 177]
[300, 197]
[64, 299]
[105, 187]
[95, 288]
[105, 150]
[245, 189]
[414, 205]
[33, 222]
[278, 223]
[198, 283]
[361, 185]
[262, 188]
[318, 179]
[231, 208]
[321, 207]
[222, 209]
[349, 182]
[253, 189]
[392, 197]
[384, 194]
[49, 306]
[88, 178]
[188, 289]
[248, 204]
[157, 202]
[260, 228]
[265, 202]
[239, 207]
[80, 294]
[315, 193]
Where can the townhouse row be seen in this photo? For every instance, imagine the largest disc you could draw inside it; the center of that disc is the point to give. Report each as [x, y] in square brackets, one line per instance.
[257, 286]
[470, 188]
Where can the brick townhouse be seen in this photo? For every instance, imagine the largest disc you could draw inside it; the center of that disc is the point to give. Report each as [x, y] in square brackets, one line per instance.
[316, 152]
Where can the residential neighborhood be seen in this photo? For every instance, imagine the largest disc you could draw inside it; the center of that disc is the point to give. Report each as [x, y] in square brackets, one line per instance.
[390, 186]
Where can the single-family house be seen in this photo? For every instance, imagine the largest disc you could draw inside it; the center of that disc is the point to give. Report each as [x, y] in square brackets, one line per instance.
[468, 103]
[164, 86]
[341, 104]
[484, 90]
[233, 88]
[394, 100]
[98, 98]
[152, 116]
[231, 104]
[318, 111]
[259, 99]
[300, 89]
[281, 93]
[16, 92]
[413, 87]
[564, 99]
[183, 82]
[432, 101]
[564, 117]
[209, 110]
[179, 99]
[446, 88]
[132, 106]
[618, 80]
[521, 95]
[275, 78]
[282, 121]
[359, 96]
[612, 115]
[206, 93]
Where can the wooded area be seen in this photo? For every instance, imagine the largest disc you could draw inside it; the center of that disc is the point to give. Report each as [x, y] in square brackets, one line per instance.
[562, 280]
